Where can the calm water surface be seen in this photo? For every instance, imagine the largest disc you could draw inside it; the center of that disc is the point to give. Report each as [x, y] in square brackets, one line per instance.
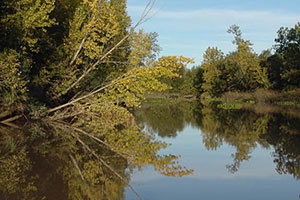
[248, 154]
[235, 154]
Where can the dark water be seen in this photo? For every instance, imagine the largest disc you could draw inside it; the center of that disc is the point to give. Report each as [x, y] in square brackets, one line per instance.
[235, 154]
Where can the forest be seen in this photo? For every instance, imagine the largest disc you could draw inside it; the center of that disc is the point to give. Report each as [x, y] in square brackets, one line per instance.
[73, 71]
[274, 71]
[58, 52]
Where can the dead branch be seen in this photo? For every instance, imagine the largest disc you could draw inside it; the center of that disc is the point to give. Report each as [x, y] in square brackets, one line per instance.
[106, 165]
[142, 19]
[77, 167]
[4, 114]
[8, 121]
[79, 49]
[87, 95]
[11, 125]
[61, 123]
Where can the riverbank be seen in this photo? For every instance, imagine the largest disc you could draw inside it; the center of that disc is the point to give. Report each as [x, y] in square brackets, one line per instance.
[168, 98]
[260, 101]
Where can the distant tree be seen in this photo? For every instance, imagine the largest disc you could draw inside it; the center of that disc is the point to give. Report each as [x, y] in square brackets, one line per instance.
[187, 87]
[214, 76]
[288, 50]
[273, 64]
[240, 70]
[198, 80]
[178, 83]
[245, 73]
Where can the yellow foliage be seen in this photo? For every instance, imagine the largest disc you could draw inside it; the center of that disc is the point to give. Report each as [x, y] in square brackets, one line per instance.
[132, 86]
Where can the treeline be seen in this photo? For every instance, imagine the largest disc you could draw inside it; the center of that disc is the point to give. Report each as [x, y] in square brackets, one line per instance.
[58, 51]
[244, 130]
[243, 70]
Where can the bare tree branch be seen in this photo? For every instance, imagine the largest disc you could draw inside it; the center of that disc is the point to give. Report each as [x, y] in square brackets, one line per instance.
[77, 167]
[142, 19]
[11, 119]
[79, 49]
[64, 124]
[87, 95]
[106, 165]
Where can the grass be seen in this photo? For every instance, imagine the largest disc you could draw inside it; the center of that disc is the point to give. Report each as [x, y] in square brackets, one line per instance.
[164, 100]
[167, 98]
[288, 103]
[258, 96]
[261, 97]
[230, 106]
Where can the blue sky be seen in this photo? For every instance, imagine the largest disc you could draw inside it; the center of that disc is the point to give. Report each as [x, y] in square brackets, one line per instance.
[188, 27]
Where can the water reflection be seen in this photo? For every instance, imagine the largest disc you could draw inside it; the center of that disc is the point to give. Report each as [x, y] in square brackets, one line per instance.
[244, 130]
[44, 164]
[54, 160]
[167, 119]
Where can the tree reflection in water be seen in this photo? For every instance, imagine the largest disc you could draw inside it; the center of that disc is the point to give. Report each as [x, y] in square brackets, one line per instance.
[54, 160]
[166, 119]
[242, 129]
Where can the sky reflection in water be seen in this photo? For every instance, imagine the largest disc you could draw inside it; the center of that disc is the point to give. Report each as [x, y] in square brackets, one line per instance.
[256, 178]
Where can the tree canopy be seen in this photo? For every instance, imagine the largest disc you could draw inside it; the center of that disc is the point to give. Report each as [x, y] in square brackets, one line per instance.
[243, 70]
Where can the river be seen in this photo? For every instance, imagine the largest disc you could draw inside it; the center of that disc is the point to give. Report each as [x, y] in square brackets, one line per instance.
[246, 154]
[235, 154]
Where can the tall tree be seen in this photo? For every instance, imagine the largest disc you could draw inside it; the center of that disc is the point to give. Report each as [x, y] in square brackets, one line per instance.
[288, 49]
[245, 73]
[144, 49]
[214, 76]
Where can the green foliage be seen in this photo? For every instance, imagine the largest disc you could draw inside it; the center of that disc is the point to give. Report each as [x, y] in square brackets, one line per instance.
[12, 81]
[273, 65]
[165, 119]
[288, 49]
[230, 106]
[238, 71]
[181, 80]
[139, 81]
[143, 50]
[131, 89]
[288, 103]
[198, 80]
[60, 49]
[214, 77]
[243, 70]
[248, 73]
[29, 18]
[92, 31]
[188, 85]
